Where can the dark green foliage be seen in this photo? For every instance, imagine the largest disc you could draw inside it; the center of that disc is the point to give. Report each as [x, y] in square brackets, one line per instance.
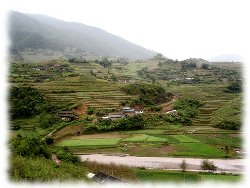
[104, 62]
[183, 165]
[149, 94]
[155, 108]
[230, 125]
[26, 146]
[49, 140]
[90, 110]
[208, 165]
[204, 66]
[124, 124]
[186, 108]
[26, 169]
[188, 66]
[25, 101]
[235, 87]
[64, 155]
[47, 120]
[15, 127]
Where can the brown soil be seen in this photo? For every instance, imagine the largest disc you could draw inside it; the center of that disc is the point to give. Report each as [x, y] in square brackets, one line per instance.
[67, 131]
[169, 105]
[81, 109]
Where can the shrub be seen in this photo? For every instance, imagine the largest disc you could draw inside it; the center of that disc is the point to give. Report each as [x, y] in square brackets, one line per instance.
[208, 165]
[230, 125]
[90, 110]
[66, 156]
[183, 165]
[25, 146]
[235, 87]
[149, 94]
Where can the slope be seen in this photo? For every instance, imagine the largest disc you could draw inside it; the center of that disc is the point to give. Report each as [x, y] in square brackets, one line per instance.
[34, 32]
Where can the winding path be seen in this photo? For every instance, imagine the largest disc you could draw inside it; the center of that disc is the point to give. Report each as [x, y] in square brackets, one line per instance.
[193, 164]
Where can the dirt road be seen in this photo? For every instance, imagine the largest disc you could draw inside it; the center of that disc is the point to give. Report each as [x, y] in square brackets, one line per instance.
[193, 164]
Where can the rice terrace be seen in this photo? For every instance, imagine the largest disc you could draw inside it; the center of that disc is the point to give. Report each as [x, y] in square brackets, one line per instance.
[78, 115]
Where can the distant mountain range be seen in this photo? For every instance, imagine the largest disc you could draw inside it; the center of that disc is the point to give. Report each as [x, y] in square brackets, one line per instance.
[40, 33]
[226, 58]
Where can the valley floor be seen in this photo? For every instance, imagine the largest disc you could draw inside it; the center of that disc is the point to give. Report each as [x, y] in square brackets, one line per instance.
[167, 163]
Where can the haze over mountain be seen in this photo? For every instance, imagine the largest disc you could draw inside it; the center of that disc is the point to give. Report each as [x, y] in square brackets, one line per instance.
[35, 32]
[226, 58]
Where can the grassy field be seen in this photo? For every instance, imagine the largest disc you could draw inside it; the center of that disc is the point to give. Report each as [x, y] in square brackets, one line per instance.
[90, 142]
[191, 145]
[160, 176]
[184, 138]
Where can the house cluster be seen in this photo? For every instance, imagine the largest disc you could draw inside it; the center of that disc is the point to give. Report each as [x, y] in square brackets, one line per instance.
[125, 112]
[67, 115]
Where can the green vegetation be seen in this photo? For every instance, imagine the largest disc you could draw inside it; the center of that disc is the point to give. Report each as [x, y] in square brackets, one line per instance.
[184, 138]
[25, 101]
[198, 149]
[25, 169]
[195, 88]
[129, 123]
[208, 165]
[90, 142]
[173, 176]
[148, 94]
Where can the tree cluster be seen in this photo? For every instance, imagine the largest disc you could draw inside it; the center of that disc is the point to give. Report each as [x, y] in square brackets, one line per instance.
[27, 101]
[149, 94]
[124, 124]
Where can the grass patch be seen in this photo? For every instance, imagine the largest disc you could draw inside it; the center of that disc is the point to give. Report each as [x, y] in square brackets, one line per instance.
[156, 139]
[184, 138]
[221, 177]
[220, 139]
[163, 176]
[136, 138]
[176, 176]
[90, 142]
[198, 149]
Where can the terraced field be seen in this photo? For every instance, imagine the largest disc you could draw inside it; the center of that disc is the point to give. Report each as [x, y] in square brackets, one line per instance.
[141, 144]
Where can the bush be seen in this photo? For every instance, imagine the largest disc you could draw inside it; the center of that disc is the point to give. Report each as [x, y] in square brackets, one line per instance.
[90, 110]
[208, 165]
[39, 169]
[235, 87]
[229, 125]
[47, 120]
[183, 165]
[149, 94]
[66, 156]
[130, 123]
[32, 147]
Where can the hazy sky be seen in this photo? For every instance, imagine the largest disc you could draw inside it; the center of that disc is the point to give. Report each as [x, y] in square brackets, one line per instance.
[177, 28]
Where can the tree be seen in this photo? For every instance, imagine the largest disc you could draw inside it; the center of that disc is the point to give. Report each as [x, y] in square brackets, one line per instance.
[208, 165]
[90, 110]
[204, 66]
[183, 165]
[235, 87]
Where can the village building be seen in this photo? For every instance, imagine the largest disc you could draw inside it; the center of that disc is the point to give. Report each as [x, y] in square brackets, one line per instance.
[67, 115]
[115, 116]
[101, 177]
[171, 112]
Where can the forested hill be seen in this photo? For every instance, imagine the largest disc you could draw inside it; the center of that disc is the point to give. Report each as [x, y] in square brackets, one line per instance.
[33, 32]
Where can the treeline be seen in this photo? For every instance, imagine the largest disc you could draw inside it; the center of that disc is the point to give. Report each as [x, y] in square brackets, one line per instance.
[27, 101]
[148, 94]
[124, 124]
[186, 109]
[229, 125]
